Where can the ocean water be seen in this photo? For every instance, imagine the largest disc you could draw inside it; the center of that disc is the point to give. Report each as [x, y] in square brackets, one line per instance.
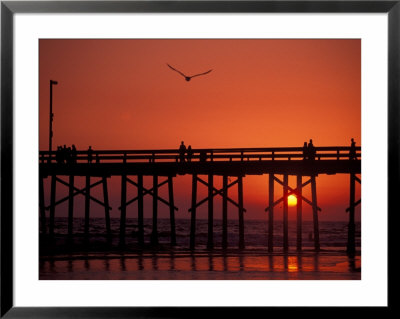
[333, 234]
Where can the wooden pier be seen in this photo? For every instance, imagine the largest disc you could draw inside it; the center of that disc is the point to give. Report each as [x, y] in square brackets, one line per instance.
[205, 166]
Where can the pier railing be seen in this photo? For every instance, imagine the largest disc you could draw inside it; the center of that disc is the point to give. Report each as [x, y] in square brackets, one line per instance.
[219, 154]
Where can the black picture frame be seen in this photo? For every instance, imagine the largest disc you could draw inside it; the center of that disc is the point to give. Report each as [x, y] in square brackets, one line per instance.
[9, 8]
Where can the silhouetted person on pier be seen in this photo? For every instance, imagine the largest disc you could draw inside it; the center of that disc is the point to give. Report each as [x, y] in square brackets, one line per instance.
[64, 153]
[189, 153]
[68, 154]
[90, 154]
[352, 153]
[203, 156]
[305, 151]
[59, 158]
[311, 150]
[73, 154]
[182, 151]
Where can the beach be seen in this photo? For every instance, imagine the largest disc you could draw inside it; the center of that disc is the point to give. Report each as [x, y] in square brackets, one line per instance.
[101, 258]
[325, 265]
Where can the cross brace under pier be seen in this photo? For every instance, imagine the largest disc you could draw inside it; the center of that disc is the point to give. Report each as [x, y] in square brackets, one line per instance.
[287, 190]
[141, 192]
[212, 192]
[72, 192]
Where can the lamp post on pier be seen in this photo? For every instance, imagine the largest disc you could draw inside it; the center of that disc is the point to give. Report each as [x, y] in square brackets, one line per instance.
[51, 117]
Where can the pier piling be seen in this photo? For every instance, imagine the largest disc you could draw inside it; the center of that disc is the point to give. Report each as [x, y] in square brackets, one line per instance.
[241, 218]
[106, 207]
[140, 210]
[171, 209]
[87, 205]
[42, 207]
[224, 211]
[154, 234]
[122, 224]
[71, 206]
[271, 213]
[351, 246]
[299, 212]
[210, 241]
[52, 204]
[193, 212]
[285, 214]
[315, 213]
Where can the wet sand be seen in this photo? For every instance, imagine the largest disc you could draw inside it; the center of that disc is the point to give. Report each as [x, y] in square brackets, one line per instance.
[202, 265]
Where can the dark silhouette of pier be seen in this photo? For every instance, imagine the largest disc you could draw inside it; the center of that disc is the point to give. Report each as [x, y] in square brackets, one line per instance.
[204, 165]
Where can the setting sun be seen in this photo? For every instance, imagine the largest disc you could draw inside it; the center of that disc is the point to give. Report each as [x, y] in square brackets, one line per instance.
[292, 200]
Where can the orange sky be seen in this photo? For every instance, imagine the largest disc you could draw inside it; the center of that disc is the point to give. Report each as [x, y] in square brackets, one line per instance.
[120, 94]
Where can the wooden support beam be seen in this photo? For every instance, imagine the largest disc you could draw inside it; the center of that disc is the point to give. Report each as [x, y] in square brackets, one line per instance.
[357, 179]
[218, 190]
[351, 231]
[87, 205]
[42, 210]
[224, 211]
[304, 184]
[285, 214]
[307, 201]
[315, 213]
[123, 211]
[106, 209]
[148, 191]
[289, 188]
[241, 219]
[215, 193]
[193, 215]
[271, 213]
[300, 198]
[77, 192]
[140, 210]
[292, 191]
[299, 214]
[171, 209]
[151, 189]
[71, 206]
[355, 205]
[52, 204]
[154, 234]
[210, 241]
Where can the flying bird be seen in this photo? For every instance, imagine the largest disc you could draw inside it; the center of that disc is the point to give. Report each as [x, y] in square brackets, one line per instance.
[188, 78]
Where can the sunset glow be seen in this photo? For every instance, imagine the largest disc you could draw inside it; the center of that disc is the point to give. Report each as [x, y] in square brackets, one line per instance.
[121, 94]
[178, 158]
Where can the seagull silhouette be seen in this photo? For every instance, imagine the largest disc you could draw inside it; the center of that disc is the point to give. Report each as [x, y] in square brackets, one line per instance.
[188, 78]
